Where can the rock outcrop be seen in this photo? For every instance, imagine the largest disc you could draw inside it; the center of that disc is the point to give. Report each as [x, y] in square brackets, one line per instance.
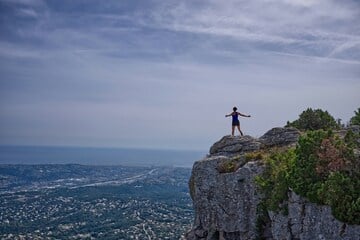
[280, 137]
[307, 220]
[229, 145]
[226, 202]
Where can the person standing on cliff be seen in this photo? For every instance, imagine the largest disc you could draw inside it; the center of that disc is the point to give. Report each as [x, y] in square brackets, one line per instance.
[235, 120]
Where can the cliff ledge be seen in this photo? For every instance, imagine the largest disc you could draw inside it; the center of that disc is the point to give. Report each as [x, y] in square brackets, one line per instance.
[226, 199]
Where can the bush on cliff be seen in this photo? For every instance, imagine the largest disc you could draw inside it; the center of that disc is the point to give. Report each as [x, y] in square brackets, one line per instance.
[322, 168]
[355, 120]
[352, 139]
[314, 120]
[274, 181]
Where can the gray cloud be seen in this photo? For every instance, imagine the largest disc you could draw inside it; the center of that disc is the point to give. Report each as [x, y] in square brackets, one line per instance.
[165, 74]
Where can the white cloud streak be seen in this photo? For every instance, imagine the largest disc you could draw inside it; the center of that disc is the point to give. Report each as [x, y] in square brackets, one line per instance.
[311, 24]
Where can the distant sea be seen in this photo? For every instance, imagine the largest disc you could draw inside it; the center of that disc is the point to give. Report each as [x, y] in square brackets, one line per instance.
[98, 156]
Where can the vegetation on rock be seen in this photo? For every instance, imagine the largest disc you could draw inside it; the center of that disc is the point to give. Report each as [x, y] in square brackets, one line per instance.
[256, 155]
[231, 165]
[355, 120]
[227, 166]
[322, 168]
[352, 139]
[314, 120]
[274, 181]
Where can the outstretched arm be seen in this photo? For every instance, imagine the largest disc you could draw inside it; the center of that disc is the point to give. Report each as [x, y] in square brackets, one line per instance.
[228, 115]
[243, 115]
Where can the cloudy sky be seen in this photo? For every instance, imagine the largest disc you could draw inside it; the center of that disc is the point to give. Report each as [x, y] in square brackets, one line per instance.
[163, 74]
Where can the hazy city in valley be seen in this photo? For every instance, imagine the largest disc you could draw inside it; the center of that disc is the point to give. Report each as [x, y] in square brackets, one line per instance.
[94, 202]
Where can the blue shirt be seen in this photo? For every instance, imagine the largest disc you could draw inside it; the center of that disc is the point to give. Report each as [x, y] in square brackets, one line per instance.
[235, 117]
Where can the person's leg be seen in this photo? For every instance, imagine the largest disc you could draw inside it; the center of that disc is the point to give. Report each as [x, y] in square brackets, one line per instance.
[241, 133]
[232, 130]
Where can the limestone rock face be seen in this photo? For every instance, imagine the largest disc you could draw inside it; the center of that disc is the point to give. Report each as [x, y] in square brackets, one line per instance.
[310, 221]
[226, 202]
[280, 137]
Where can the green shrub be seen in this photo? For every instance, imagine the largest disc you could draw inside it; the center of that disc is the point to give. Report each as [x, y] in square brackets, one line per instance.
[322, 168]
[274, 181]
[319, 154]
[341, 192]
[303, 174]
[355, 120]
[352, 139]
[314, 120]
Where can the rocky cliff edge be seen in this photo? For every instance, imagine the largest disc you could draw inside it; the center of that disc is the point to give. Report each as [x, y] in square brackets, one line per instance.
[226, 198]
